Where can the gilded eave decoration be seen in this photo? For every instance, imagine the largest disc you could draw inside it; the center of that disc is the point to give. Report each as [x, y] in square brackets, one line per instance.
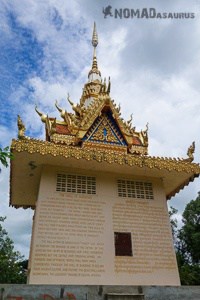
[107, 155]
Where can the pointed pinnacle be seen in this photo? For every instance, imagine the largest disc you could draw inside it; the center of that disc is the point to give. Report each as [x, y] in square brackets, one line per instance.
[109, 85]
[94, 36]
[94, 69]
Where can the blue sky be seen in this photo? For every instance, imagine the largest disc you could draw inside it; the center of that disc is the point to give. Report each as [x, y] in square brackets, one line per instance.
[21, 57]
[154, 66]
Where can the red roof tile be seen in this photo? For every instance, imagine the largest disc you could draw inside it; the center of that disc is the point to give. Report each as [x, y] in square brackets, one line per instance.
[136, 141]
[62, 129]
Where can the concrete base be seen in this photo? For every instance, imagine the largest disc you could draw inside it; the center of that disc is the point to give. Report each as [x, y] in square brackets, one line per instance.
[82, 292]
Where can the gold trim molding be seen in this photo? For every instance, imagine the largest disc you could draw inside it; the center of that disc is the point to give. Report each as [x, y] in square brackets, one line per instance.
[109, 156]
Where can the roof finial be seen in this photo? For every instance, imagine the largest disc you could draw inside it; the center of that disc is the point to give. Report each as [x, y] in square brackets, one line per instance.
[94, 72]
[94, 36]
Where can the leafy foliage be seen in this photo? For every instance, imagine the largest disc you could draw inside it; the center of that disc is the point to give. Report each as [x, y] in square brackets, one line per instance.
[189, 235]
[5, 154]
[187, 242]
[189, 273]
[11, 261]
[173, 222]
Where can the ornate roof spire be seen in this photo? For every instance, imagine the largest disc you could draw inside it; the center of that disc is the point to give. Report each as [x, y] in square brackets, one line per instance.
[94, 36]
[94, 72]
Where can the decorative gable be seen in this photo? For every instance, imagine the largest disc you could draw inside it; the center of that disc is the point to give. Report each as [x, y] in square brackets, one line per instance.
[105, 130]
[95, 121]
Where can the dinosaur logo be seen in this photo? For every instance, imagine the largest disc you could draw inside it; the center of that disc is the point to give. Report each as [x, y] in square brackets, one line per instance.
[107, 11]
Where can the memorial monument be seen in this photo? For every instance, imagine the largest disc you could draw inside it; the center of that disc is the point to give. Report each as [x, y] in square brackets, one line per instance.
[100, 200]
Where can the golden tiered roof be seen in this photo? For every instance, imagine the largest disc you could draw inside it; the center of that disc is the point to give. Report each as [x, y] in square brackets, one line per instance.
[96, 120]
[93, 132]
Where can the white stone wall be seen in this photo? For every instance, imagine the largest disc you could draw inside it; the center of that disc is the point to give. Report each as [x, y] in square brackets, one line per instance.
[73, 239]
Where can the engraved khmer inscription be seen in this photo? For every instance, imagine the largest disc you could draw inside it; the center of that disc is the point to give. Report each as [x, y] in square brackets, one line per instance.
[69, 228]
[150, 237]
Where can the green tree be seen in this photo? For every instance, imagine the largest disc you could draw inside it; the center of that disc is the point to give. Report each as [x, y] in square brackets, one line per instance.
[5, 154]
[11, 261]
[189, 234]
[189, 273]
[173, 221]
[188, 244]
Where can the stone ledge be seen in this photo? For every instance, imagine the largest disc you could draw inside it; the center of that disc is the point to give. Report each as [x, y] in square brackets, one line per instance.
[97, 292]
